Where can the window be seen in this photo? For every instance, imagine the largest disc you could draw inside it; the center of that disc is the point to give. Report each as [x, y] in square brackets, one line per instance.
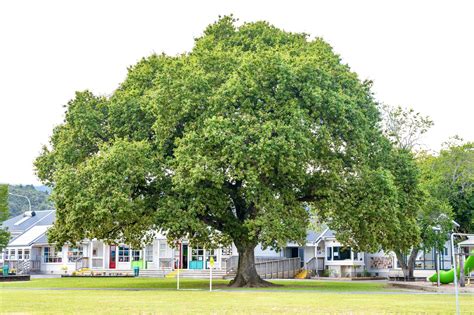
[149, 252]
[51, 256]
[20, 254]
[12, 255]
[445, 251]
[341, 253]
[75, 253]
[26, 254]
[329, 253]
[197, 254]
[136, 255]
[227, 251]
[123, 253]
[162, 249]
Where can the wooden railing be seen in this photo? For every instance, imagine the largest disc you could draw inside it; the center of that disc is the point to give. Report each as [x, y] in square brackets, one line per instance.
[312, 265]
[268, 268]
[279, 269]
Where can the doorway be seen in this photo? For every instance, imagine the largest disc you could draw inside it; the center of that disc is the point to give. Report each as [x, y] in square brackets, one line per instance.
[184, 256]
[112, 256]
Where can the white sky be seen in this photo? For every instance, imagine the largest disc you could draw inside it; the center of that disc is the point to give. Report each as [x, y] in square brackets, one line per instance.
[418, 53]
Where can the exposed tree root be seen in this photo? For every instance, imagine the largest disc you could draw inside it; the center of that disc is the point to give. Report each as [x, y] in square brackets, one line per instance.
[252, 282]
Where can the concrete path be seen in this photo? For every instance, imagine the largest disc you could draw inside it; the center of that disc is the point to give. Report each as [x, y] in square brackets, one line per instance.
[430, 287]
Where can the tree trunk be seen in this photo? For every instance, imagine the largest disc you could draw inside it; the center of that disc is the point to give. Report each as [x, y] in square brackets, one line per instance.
[246, 273]
[403, 264]
[409, 266]
[411, 262]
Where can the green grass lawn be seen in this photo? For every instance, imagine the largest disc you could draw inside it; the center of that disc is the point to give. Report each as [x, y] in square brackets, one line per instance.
[154, 283]
[58, 296]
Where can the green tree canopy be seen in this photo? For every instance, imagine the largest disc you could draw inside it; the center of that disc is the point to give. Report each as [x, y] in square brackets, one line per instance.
[233, 141]
[450, 177]
[4, 235]
[404, 128]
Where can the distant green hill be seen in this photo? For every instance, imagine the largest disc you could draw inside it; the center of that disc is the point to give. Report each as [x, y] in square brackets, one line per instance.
[18, 205]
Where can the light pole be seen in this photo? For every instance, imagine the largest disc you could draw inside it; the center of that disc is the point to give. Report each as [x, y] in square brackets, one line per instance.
[455, 268]
[29, 203]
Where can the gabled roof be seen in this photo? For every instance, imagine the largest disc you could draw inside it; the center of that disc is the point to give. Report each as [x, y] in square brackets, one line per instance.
[28, 229]
[312, 237]
[22, 223]
[30, 236]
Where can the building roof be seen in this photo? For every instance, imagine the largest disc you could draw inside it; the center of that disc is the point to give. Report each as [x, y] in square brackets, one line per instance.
[30, 228]
[467, 243]
[312, 237]
[30, 236]
[22, 222]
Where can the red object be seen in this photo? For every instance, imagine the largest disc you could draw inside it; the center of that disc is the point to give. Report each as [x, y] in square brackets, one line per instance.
[113, 254]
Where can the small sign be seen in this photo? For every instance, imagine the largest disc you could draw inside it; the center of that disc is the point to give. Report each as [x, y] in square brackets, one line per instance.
[211, 262]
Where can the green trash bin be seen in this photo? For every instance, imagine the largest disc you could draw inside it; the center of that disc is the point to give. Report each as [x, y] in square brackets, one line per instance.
[5, 270]
[136, 271]
[136, 265]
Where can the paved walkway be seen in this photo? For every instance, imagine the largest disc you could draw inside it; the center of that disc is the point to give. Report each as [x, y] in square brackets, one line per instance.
[44, 276]
[430, 287]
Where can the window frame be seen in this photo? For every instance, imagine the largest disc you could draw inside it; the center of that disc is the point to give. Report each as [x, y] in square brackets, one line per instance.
[123, 253]
[149, 253]
[50, 256]
[162, 248]
[329, 253]
[133, 254]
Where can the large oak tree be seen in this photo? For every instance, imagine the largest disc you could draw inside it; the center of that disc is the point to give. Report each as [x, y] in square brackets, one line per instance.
[239, 140]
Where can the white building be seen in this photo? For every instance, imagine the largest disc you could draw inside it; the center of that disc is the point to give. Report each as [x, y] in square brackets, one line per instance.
[30, 250]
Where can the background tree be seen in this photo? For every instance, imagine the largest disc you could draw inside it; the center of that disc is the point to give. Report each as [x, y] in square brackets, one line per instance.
[405, 127]
[18, 205]
[452, 178]
[4, 234]
[230, 143]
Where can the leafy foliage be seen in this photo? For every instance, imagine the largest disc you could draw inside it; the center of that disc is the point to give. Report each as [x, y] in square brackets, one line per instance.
[17, 205]
[451, 179]
[231, 142]
[4, 235]
[405, 127]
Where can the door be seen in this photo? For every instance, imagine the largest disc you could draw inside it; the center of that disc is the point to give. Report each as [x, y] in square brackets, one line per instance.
[184, 257]
[301, 255]
[112, 256]
[197, 258]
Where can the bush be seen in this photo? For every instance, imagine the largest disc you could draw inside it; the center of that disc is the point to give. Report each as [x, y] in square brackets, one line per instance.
[326, 273]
